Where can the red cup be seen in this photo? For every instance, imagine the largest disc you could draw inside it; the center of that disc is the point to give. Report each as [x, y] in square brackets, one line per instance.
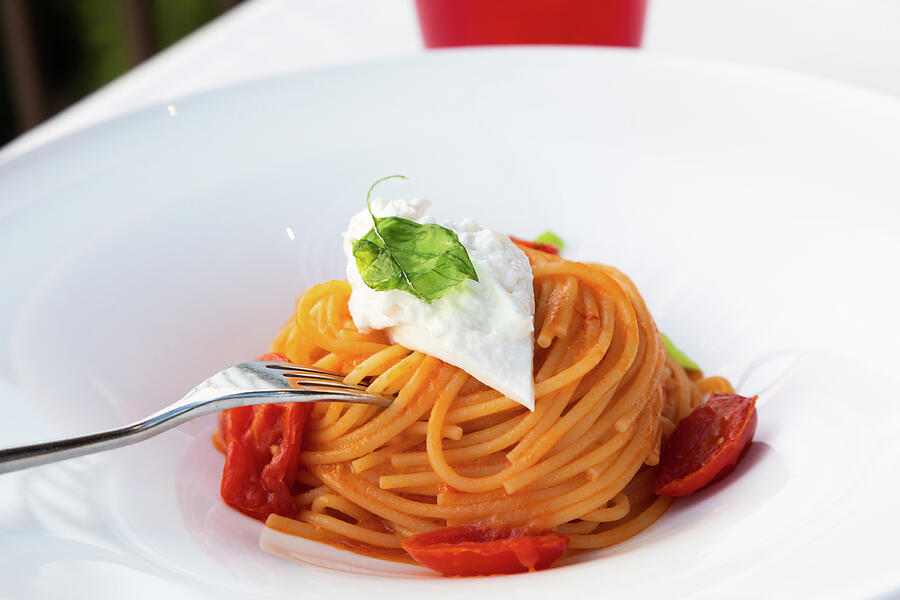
[447, 23]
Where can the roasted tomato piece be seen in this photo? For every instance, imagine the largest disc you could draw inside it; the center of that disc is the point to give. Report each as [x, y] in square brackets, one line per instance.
[466, 551]
[707, 444]
[548, 248]
[262, 451]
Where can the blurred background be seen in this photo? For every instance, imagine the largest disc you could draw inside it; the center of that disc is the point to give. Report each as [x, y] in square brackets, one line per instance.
[54, 52]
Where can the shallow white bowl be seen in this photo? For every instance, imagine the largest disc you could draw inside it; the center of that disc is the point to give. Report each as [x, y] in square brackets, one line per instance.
[756, 211]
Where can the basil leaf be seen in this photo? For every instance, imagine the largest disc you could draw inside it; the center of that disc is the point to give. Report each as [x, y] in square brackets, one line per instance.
[548, 237]
[678, 356]
[375, 266]
[426, 260]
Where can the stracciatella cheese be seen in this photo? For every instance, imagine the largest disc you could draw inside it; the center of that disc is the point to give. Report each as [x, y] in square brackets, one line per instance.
[485, 328]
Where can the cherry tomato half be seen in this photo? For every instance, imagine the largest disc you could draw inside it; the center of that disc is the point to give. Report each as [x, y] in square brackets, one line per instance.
[466, 551]
[707, 444]
[548, 248]
[262, 451]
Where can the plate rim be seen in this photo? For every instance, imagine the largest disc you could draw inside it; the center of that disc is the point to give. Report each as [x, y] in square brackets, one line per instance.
[782, 79]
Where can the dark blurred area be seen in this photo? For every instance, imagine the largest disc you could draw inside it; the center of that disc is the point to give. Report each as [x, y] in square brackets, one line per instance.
[54, 52]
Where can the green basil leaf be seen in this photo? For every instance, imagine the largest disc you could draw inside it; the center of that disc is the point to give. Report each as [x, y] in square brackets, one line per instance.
[375, 266]
[678, 356]
[548, 237]
[426, 260]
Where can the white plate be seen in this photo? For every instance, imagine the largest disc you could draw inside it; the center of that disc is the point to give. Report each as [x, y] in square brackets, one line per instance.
[757, 212]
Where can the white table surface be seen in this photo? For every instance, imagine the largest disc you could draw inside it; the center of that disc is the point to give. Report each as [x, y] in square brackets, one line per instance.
[853, 41]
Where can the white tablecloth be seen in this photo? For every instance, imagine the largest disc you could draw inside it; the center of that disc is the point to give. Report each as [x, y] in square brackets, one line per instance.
[855, 41]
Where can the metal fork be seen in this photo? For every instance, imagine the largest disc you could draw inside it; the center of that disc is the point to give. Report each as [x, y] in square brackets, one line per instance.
[261, 382]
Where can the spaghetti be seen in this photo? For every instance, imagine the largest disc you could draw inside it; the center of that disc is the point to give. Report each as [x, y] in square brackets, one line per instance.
[450, 451]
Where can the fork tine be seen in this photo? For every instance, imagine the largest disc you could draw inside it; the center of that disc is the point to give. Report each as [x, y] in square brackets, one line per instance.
[304, 370]
[325, 386]
[336, 392]
[312, 377]
[304, 378]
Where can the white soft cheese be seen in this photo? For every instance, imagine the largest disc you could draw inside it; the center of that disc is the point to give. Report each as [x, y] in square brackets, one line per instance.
[485, 328]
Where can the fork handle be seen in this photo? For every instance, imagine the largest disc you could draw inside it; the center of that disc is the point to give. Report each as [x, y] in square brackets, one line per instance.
[32, 455]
